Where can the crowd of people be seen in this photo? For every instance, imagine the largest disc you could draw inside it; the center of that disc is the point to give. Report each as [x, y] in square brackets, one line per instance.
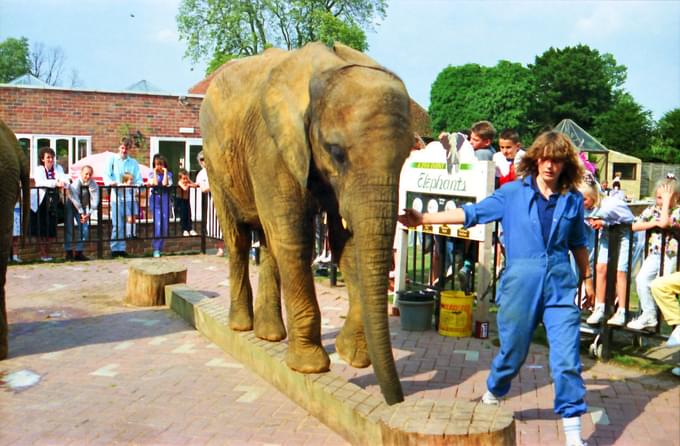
[56, 198]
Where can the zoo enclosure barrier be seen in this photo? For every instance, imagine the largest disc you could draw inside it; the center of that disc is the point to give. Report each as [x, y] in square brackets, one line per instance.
[147, 212]
[602, 333]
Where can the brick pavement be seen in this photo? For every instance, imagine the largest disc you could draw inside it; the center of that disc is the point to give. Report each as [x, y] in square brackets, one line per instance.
[111, 374]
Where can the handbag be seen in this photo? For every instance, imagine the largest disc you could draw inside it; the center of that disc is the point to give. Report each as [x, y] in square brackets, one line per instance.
[55, 205]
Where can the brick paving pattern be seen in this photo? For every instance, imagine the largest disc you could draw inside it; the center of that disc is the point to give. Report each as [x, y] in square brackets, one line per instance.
[111, 374]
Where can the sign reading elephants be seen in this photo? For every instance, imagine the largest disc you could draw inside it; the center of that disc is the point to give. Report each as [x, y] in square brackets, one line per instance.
[432, 181]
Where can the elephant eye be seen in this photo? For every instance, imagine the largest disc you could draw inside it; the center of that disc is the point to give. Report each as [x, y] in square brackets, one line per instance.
[337, 153]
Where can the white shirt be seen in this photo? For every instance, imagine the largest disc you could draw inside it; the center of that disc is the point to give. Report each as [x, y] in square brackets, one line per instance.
[40, 177]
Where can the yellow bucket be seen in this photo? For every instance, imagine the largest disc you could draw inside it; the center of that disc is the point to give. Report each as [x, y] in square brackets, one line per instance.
[455, 314]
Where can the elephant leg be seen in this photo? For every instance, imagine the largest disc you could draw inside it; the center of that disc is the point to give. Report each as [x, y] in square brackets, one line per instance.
[241, 309]
[351, 341]
[268, 319]
[292, 248]
[4, 327]
[305, 352]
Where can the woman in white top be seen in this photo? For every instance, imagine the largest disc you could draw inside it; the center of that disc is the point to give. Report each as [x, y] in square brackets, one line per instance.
[50, 181]
[212, 224]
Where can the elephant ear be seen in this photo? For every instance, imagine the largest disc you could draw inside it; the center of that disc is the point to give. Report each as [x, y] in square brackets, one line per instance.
[352, 56]
[285, 105]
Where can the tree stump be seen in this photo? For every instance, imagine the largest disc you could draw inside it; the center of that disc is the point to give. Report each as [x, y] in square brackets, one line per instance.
[147, 280]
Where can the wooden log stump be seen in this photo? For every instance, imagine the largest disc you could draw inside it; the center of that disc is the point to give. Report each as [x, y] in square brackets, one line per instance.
[147, 280]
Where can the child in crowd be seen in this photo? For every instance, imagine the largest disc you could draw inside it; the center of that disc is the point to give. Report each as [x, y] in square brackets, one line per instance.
[482, 134]
[508, 157]
[16, 232]
[601, 212]
[663, 214]
[184, 185]
[83, 200]
[161, 180]
[130, 206]
[665, 291]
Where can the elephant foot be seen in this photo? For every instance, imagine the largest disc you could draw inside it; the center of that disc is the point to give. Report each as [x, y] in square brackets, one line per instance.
[311, 359]
[270, 328]
[240, 320]
[352, 348]
[4, 349]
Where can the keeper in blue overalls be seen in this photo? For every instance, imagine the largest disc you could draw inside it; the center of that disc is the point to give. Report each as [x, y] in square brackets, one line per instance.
[542, 216]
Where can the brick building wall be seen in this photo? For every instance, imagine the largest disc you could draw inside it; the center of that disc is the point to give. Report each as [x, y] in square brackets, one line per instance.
[98, 114]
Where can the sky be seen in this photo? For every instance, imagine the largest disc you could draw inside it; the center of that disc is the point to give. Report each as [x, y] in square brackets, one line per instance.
[112, 44]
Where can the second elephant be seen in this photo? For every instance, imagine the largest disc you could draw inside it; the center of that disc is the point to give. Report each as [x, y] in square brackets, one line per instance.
[14, 172]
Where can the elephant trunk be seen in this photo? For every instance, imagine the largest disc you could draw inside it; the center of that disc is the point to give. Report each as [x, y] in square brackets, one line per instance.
[373, 230]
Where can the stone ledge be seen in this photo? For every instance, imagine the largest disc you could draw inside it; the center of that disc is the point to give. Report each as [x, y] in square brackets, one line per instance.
[360, 417]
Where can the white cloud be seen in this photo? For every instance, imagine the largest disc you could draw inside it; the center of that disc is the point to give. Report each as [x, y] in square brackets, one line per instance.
[604, 20]
[166, 36]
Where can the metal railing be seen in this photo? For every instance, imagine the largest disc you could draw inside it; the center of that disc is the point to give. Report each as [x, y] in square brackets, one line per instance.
[603, 332]
[135, 212]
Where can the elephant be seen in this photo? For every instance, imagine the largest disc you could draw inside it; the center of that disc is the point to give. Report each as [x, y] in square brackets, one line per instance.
[288, 134]
[14, 172]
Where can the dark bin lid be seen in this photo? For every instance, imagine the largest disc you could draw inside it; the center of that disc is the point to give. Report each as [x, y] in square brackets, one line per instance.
[417, 295]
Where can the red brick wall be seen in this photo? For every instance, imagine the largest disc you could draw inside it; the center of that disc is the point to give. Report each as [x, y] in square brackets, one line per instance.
[134, 247]
[97, 114]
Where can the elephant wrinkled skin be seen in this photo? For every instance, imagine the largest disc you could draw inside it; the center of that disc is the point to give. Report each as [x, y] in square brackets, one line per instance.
[14, 172]
[287, 133]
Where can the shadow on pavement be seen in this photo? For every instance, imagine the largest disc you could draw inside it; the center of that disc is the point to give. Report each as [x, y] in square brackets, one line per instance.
[63, 329]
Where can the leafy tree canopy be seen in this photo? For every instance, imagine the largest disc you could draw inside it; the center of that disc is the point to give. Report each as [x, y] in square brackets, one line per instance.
[669, 128]
[666, 142]
[45, 63]
[223, 29]
[625, 127]
[465, 94]
[14, 59]
[574, 82]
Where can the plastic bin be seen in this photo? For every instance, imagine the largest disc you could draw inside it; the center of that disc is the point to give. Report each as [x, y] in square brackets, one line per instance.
[416, 309]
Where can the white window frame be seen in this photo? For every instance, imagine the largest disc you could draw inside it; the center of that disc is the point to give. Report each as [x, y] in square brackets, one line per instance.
[188, 142]
[72, 141]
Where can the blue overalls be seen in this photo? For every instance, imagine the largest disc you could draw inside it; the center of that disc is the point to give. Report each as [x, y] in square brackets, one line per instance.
[538, 285]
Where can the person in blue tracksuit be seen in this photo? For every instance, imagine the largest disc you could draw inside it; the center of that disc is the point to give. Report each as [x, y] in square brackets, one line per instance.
[118, 165]
[542, 216]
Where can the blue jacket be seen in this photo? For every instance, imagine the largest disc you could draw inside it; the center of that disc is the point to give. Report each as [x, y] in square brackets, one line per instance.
[514, 205]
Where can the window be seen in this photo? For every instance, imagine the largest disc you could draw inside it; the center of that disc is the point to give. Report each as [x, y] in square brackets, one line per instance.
[628, 171]
[180, 152]
[69, 149]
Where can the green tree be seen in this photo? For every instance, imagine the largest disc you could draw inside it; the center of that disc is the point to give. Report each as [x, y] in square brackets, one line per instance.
[468, 93]
[220, 29]
[626, 127]
[14, 59]
[666, 141]
[668, 128]
[332, 29]
[574, 82]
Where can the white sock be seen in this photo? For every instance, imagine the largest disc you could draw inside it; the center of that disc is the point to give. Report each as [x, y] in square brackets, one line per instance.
[490, 398]
[572, 430]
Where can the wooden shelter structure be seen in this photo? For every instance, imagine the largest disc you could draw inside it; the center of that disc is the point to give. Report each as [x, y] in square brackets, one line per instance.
[610, 163]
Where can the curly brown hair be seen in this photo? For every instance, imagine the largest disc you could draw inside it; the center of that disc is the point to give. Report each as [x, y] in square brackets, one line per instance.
[558, 147]
[44, 151]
